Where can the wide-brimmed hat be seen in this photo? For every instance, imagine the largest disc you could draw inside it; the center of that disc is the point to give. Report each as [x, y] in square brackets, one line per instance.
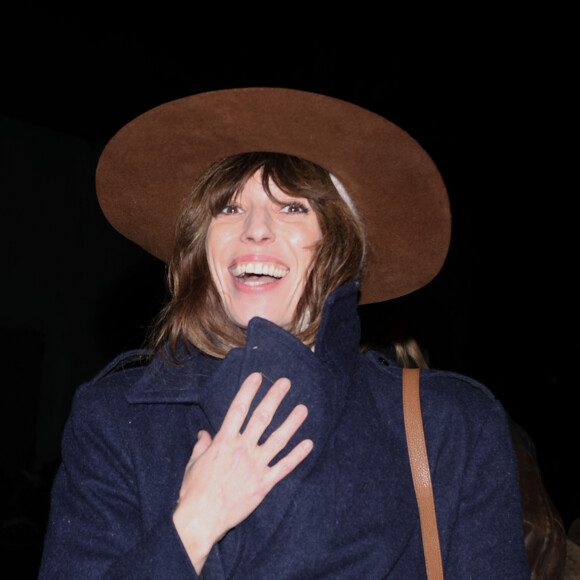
[149, 167]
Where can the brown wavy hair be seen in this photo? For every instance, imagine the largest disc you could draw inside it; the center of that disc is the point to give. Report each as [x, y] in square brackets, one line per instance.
[194, 312]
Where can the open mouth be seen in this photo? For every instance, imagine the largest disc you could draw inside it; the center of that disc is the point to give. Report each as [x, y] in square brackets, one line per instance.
[258, 273]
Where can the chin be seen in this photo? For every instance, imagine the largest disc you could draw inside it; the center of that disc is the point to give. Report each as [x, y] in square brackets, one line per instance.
[243, 321]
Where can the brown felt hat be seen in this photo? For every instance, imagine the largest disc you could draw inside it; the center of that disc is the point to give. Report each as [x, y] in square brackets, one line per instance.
[149, 167]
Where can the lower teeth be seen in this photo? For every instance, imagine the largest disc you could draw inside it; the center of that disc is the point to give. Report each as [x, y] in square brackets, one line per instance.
[257, 280]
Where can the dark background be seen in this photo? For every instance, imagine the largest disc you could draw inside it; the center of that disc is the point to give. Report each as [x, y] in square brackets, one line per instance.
[487, 94]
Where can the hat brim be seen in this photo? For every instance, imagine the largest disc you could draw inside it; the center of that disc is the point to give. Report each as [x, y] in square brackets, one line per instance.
[149, 167]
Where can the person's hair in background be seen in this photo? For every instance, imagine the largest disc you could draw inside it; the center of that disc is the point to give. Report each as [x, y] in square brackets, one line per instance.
[408, 353]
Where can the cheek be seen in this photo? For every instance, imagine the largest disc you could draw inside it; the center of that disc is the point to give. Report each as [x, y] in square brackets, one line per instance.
[211, 253]
[308, 244]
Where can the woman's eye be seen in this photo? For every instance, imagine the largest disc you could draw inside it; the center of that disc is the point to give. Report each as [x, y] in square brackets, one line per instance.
[231, 209]
[294, 207]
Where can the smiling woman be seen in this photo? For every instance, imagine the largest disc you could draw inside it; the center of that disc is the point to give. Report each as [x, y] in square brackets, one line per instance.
[260, 252]
[257, 440]
[237, 219]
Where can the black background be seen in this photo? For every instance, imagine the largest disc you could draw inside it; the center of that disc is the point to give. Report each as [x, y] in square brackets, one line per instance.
[488, 94]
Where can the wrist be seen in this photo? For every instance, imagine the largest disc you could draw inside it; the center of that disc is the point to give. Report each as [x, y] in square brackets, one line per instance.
[195, 538]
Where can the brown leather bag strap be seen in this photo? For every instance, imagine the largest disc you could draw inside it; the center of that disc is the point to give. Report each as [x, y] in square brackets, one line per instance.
[421, 474]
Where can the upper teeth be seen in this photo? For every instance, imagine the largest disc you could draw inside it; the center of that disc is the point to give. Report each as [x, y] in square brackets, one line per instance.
[259, 268]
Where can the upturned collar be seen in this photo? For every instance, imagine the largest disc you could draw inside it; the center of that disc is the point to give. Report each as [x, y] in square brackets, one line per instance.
[269, 349]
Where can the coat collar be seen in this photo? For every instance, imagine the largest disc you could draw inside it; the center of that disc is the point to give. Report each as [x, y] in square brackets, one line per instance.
[190, 382]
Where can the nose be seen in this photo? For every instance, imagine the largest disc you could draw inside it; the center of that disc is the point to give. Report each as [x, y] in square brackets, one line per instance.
[258, 227]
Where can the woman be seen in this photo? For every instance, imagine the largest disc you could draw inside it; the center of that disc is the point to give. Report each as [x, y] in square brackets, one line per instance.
[257, 441]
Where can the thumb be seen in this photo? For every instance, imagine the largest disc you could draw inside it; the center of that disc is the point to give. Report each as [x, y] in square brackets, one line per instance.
[203, 442]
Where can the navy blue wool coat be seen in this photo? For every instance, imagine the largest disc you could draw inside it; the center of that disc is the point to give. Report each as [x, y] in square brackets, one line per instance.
[348, 511]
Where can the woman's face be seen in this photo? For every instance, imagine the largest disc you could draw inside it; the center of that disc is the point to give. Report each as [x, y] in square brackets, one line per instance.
[259, 252]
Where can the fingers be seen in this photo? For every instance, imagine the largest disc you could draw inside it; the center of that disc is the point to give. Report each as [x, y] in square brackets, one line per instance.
[240, 406]
[280, 438]
[262, 415]
[259, 421]
[281, 469]
[264, 412]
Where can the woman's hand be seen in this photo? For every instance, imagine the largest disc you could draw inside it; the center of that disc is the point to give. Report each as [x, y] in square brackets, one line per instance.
[226, 479]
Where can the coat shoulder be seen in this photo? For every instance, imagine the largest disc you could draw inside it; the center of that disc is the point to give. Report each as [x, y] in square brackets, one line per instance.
[114, 381]
[127, 361]
[441, 380]
[443, 393]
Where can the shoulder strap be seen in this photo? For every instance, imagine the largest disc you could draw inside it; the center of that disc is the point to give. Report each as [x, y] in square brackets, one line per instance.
[421, 474]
